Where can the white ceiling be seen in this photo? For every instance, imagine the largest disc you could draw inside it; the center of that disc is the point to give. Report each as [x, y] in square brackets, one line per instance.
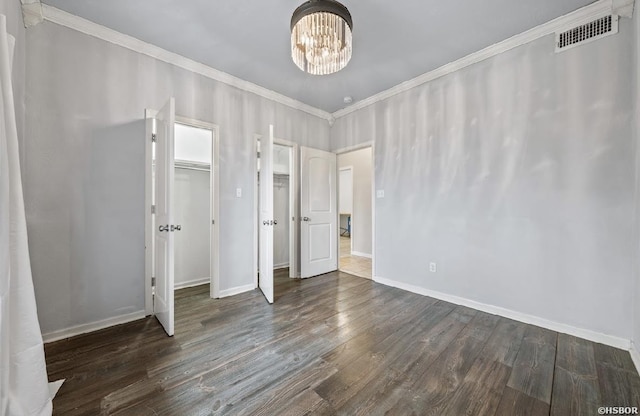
[394, 41]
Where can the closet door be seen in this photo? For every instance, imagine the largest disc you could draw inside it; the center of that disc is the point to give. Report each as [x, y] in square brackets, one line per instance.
[266, 221]
[164, 236]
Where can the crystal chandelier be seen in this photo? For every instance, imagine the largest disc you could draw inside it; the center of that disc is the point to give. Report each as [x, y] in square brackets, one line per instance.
[321, 36]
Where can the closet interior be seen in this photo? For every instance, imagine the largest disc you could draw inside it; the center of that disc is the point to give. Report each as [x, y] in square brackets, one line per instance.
[282, 166]
[192, 205]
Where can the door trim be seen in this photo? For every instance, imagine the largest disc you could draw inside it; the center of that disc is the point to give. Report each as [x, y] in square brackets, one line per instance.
[350, 149]
[294, 229]
[150, 114]
[340, 169]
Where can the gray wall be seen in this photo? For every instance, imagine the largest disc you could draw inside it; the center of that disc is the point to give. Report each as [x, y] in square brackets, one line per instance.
[84, 170]
[516, 176]
[361, 234]
[192, 211]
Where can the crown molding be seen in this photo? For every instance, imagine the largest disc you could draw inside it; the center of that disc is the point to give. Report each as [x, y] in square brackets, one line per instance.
[580, 16]
[31, 12]
[87, 27]
[34, 12]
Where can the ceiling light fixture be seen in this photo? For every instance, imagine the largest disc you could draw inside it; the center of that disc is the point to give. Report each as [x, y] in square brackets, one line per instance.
[321, 37]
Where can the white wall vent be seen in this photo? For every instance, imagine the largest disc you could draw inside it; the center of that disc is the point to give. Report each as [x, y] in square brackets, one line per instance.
[588, 32]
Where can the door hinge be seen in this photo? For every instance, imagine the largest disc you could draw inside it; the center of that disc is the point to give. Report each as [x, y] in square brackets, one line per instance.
[213, 222]
[153, 282]
[153, 137]
[153, 209]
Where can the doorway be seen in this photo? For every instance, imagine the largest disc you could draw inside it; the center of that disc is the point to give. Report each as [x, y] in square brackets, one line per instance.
[284, 191]
[355, 200]
[181, 186]
[191, 201]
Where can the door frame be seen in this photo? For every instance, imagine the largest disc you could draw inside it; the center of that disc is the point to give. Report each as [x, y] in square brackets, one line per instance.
[214, 267]
[350, 149]
[350, 169]
[294, 192]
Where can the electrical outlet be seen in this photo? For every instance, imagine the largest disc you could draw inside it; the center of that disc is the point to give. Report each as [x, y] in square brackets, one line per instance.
[238, 192]
[380, 193]
[433, 268]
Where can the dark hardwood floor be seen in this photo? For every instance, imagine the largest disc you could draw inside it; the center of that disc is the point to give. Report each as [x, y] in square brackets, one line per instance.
[336, 344]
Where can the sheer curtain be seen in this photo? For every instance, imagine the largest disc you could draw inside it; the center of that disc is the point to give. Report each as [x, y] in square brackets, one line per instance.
[23, 377]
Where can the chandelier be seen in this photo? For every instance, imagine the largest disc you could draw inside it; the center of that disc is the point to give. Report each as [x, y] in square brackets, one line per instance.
[321, 37]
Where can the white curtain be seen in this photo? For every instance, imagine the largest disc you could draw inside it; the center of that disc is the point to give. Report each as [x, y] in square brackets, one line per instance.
[23, 377]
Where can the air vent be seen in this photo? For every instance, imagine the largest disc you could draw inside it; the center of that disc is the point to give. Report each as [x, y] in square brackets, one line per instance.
[588, 32]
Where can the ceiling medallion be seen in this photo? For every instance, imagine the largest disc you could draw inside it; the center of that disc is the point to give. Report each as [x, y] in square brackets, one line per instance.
[321, 37]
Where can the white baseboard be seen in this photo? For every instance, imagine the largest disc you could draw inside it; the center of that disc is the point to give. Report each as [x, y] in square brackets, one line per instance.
[90, 327]
[355, 274]
[587, 334]
[359, 254]
[192, 283]
[635, 356]
[236, 290]
[280, 266]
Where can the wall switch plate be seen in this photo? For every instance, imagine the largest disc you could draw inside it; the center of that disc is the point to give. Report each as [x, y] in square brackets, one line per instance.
[238, 192]
[380, 193]
[432, 267]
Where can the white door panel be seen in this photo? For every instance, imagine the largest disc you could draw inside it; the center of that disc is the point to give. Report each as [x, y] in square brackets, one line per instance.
[164, 237]
[319, 235]
[318, 207]
[265, 278]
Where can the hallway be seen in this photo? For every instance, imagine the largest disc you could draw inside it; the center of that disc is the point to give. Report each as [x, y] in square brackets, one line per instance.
[355, 265]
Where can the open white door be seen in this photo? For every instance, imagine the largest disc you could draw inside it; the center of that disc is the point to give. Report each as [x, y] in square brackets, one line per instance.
[265, 278]
[164, 181]
[294, 233]
[318, 208]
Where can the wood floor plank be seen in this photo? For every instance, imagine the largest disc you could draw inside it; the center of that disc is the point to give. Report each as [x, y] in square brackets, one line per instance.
[575, 383]
[532, 372]
[381, 389]
[618, 387]
[618, 380]
[613, 357]
[481, 391]
[289, 394]
[433, 389]
[504, 344]
[334, 345]
[383, 347]
[514, 402]
[425, 349]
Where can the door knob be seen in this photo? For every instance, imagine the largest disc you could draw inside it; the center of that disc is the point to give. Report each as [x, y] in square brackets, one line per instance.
[176, 227]
[163, 228]
[306, 219]
[275, 222]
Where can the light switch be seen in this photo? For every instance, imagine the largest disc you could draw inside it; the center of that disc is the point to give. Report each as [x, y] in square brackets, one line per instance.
[238, 192]
[380, 193]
